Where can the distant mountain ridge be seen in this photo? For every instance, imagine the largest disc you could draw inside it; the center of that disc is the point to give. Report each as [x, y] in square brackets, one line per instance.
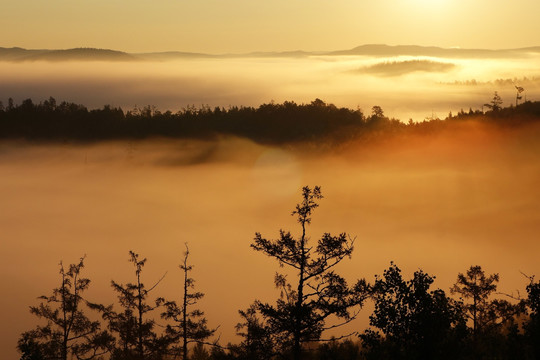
[20, 54]
[433, 51]
[17, 54]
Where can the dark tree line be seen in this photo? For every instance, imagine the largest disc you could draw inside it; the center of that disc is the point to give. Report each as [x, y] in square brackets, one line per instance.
[288, 122]
[276, 123]
[410, 320]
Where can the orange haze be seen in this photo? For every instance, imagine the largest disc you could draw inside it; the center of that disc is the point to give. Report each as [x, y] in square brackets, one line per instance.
[440, 203]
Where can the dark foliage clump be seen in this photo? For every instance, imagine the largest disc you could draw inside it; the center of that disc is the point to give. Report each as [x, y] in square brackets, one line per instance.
[317, 122]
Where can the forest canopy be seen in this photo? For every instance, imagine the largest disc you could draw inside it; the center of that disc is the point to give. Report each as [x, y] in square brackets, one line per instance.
[269, 123]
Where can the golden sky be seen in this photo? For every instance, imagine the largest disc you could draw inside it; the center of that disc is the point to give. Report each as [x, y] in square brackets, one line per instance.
[217, 26]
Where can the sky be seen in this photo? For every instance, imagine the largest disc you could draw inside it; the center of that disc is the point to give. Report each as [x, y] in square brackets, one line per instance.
[217, 26]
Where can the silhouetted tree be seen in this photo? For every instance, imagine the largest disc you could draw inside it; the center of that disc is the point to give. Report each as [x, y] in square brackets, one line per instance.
[416, 323]
[338, 350]
[300, 313]
[137, 339]
[377, 112]
[493, 319]
[532, 326]
[69, 333]
[50, 104]
[190, 325]
[476, 286]
[29, 348]
[495, 103]
[519, 90]
[259, 342]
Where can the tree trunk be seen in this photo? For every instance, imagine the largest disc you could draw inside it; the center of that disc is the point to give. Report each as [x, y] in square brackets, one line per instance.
[297, 347]
[184, 310]
[65, 325]
[140, 323]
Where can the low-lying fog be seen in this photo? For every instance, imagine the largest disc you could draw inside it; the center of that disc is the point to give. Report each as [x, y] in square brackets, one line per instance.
[405, 87]
[441, 203]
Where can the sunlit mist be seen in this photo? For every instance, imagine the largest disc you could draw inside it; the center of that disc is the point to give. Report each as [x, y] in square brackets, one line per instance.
[404, 86]
[437, 203]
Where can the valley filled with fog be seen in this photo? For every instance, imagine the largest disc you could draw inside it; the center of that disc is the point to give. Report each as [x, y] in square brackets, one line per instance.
[440, 203]
[405, 86]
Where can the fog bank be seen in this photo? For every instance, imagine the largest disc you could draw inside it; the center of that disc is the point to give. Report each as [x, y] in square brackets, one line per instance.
[404, 86]
[441, 203]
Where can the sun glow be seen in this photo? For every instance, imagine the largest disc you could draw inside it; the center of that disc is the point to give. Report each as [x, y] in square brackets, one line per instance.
[425, 8]
[430, 3]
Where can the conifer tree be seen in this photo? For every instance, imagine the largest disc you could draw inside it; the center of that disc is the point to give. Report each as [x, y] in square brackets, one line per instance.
[135, 330]
[302, 309]
[492, 319]
[190, 325]
[475, 285]
[69, 333]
